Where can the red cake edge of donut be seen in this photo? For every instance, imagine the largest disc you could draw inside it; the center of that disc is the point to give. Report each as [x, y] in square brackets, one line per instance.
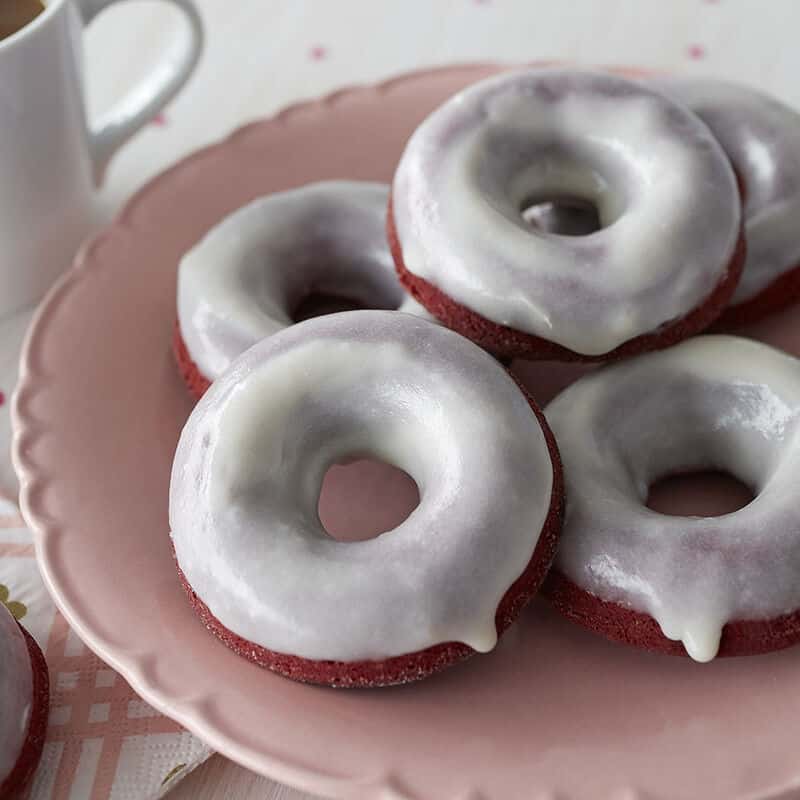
[508, 342]
[195, 381]
[777, 295]
[783, 292]
[412, 666]
[31, 752]
[627, 626]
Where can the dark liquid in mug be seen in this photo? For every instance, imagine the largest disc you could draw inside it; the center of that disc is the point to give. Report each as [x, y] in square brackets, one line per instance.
[16, 14]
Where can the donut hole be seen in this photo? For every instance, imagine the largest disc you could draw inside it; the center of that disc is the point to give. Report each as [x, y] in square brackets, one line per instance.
[318, 304]
[564, 216]
[362, 499]
[699, 493]
[563, 188]
[319, 301]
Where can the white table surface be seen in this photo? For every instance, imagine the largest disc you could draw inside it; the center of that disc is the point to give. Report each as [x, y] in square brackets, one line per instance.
[263, 54]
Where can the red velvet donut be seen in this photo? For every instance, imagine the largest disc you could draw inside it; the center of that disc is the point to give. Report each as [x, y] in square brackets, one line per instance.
[375, 347]
[311, 250]
[414, 666]
[652, 258]
[698, 585]
[22, 772]
[745, 122]
[195, 381]
[508, 343]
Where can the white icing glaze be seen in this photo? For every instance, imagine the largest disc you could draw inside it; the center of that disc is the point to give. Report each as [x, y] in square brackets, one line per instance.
[762, 138]
[712, 402]
[16, 692]
[664, 190]
[245, 278]
[250, 463]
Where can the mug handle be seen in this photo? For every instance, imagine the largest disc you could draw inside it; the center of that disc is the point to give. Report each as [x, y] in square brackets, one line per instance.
[142, 103]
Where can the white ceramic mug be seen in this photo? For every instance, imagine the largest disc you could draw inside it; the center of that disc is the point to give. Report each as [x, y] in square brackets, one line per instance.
[51, 157]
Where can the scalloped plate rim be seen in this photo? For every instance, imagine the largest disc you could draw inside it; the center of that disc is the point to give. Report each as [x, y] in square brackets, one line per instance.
[35, 483]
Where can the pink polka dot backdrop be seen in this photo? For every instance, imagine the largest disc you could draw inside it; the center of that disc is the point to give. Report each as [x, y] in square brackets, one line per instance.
[696, 52]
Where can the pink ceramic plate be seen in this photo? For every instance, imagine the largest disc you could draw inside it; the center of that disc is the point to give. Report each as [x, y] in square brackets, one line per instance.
[554, 713]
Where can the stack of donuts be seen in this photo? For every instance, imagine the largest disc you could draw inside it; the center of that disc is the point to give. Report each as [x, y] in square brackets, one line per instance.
[548, 214]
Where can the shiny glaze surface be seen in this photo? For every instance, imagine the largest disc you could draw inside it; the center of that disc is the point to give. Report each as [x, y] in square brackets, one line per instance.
[250, 463]
[714, 402]
[665, 194]
[762, 138]
[245, 278]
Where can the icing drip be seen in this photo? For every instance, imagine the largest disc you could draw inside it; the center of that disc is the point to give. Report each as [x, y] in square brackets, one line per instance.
[714, 402]
[250, 463]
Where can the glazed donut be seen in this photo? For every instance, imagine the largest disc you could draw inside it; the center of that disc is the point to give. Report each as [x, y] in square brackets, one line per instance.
[245, 279]
[663, 264]
[24, 702]
[728, 584]
[261, 571]
[762, 139]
